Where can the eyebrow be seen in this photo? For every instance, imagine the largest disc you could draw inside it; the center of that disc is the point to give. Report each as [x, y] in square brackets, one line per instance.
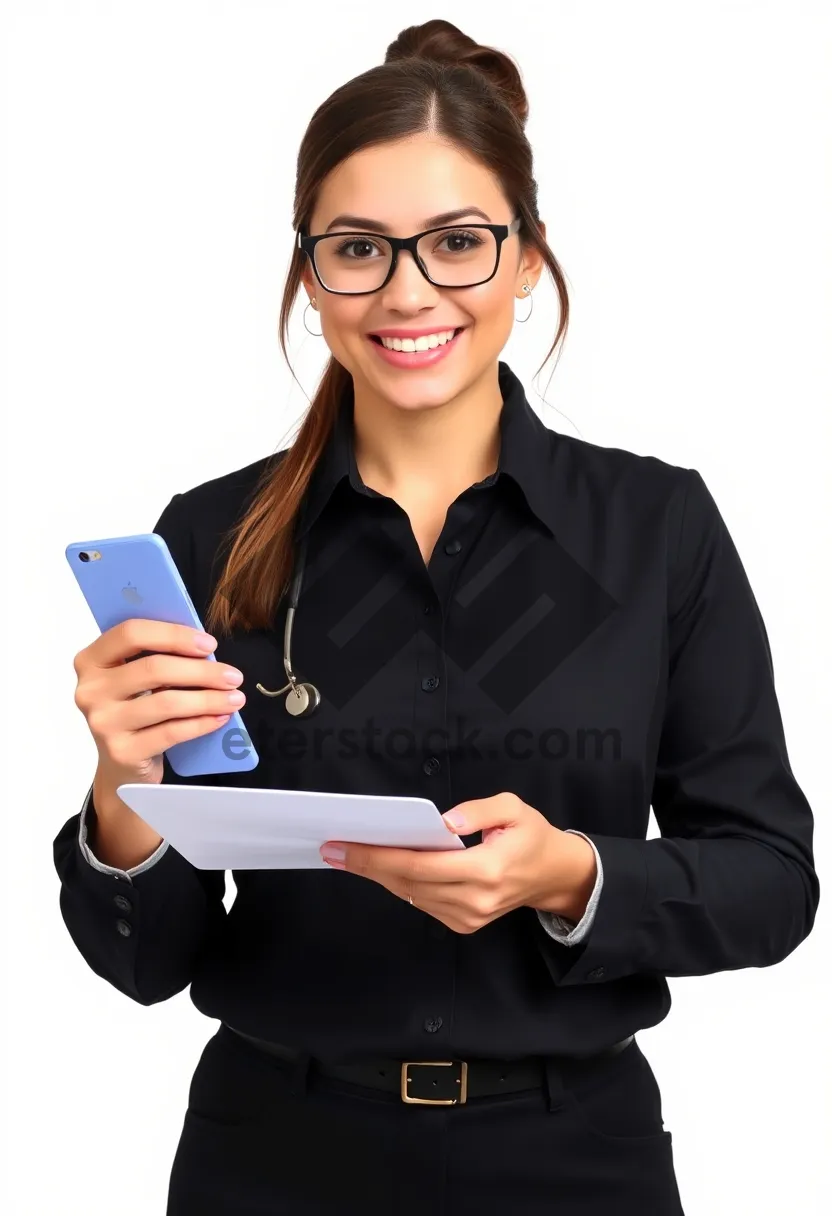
[433, 221]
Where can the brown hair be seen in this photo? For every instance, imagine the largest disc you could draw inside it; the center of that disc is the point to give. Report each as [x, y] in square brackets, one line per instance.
[434, 78]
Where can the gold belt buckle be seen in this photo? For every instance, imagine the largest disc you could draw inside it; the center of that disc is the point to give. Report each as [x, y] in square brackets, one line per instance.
[461, 1081]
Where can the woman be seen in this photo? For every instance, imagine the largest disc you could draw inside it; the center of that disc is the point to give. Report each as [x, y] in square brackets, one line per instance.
[541, 635]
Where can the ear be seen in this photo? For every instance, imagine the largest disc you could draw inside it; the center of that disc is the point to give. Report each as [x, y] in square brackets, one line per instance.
[309, 281]
[531, 264]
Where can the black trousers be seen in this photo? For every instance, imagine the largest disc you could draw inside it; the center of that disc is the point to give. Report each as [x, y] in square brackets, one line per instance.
[263, 1138]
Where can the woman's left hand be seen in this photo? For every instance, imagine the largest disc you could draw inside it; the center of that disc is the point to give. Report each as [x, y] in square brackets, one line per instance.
[523, 860]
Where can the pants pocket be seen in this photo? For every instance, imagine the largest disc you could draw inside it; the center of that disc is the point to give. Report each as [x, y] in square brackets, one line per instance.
[618, 1100]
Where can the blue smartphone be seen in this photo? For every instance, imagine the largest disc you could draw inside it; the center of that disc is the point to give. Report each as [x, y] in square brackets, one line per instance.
[135, 576]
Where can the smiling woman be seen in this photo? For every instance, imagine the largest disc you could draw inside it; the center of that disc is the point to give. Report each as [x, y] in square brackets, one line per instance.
[416, 217]
[543, 637]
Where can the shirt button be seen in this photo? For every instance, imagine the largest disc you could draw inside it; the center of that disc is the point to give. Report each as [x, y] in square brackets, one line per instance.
[596, 973]
[122, 903]
[427, 608]
[124, 928]
[431, 766]
[432, 1025]
[452, 547]
[430, 683]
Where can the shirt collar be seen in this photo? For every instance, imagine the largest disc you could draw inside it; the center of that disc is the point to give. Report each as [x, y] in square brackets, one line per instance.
[526, 456]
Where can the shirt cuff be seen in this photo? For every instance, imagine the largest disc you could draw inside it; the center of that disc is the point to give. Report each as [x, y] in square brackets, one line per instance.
[561, 928]
[99, 865]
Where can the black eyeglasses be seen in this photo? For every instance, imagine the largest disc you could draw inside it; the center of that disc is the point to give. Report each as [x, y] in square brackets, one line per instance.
[458, 256]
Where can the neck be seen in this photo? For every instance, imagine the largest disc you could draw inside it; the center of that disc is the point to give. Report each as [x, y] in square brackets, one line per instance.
[429, 453]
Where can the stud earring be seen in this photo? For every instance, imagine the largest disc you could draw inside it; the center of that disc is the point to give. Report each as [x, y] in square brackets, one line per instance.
[306, 327]
[523, 320]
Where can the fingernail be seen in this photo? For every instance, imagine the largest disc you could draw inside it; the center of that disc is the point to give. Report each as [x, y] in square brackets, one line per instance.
[204, 641]
[334, 855]
[455, 820]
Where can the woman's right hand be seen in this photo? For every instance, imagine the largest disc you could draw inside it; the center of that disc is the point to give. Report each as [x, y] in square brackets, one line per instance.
[190, 696]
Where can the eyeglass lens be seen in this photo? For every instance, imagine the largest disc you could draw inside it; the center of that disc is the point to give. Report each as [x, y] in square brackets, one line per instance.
[453, 257]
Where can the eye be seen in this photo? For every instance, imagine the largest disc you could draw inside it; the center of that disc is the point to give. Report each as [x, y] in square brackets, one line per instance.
[363, 242]
[467, 240]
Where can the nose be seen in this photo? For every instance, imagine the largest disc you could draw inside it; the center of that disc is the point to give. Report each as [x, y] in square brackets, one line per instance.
[408, 289]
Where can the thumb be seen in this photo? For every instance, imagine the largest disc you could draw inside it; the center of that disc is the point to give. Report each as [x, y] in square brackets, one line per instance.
[480, 814]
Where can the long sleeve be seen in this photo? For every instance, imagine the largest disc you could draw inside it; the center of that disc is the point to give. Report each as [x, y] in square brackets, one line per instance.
[730, 883]
[140, 929]
[561, 928]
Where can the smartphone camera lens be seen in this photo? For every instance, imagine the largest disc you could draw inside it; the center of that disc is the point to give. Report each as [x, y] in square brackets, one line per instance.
[85, 557]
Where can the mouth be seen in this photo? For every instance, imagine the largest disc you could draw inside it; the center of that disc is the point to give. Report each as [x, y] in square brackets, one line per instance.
[412, 358]
[458, 330]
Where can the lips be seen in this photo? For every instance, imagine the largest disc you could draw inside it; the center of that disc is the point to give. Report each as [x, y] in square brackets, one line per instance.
[415, 360]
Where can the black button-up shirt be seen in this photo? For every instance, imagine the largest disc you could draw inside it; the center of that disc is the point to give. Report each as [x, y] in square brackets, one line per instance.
[584, 636]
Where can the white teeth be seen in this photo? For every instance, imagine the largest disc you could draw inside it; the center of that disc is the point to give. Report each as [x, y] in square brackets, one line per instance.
[425, 343]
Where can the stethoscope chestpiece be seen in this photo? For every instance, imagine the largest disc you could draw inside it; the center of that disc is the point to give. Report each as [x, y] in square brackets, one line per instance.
[303, 699]
[300, 699]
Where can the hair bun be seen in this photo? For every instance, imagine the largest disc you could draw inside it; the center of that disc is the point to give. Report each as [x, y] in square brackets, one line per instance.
[442, 42]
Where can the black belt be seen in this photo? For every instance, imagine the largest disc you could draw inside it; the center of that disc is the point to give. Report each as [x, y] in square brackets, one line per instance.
[436, 1082]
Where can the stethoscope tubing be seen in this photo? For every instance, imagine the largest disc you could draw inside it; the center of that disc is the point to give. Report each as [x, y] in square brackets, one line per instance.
[303, 698]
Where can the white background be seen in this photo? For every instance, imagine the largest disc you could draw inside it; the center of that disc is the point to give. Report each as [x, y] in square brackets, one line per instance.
[683, 157]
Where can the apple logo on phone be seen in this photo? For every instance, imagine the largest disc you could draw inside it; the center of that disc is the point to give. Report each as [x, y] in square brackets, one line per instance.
[131, 594]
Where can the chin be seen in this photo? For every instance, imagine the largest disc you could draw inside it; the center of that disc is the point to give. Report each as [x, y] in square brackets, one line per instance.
[426, 390]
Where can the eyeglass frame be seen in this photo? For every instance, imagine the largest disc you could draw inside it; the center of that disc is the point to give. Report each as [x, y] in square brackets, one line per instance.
[501, 232]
